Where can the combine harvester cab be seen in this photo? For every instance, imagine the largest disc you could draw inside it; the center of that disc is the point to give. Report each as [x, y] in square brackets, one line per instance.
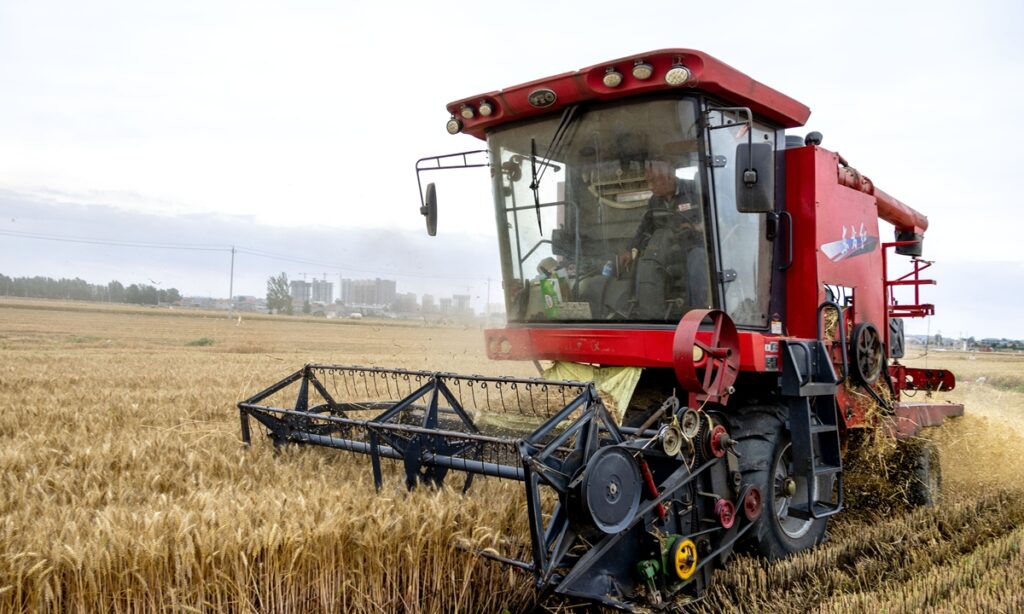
[656, 228]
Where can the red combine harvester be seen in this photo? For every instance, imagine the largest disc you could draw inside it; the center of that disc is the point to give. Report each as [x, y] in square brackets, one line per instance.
[659, 233]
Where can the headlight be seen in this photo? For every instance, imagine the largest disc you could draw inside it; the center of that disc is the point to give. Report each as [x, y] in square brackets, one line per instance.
[642, 70]
[612, 78]
[677, 75]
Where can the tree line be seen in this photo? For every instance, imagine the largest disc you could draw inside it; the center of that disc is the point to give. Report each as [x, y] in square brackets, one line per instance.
[81, 290]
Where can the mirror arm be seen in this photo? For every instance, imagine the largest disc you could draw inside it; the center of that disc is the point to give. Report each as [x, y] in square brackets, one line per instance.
[749, 174]
[440, 163]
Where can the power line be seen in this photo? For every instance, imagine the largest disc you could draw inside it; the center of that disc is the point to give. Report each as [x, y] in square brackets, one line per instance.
[341, 267]
[227, 249]
[113, 242]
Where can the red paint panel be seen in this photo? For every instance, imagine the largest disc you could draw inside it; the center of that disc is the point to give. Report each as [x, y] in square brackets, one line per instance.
[803, 292]
[612, 347]
[909, 378]
[910, 418]
[826, 212]
[707, 74]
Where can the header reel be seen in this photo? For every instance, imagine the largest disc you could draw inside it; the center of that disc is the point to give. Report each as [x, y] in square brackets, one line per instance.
[641, 516]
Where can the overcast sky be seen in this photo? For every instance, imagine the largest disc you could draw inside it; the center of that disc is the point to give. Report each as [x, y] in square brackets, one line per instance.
[312, 114]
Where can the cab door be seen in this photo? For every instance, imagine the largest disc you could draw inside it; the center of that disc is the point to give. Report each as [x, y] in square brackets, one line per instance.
[744, 253]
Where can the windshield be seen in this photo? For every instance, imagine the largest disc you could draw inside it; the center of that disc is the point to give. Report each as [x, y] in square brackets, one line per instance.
[615, 228]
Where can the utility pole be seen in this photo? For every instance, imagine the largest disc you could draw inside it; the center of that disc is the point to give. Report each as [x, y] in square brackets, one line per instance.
[487, 306]
[231, 285]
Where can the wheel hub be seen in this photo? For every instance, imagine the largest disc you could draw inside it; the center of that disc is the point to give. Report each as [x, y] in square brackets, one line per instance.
[611, 489]
[789, 491]
[788, 487]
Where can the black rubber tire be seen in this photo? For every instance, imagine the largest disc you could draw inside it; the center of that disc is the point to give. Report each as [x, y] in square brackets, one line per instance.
[924, 486]
[762, 438]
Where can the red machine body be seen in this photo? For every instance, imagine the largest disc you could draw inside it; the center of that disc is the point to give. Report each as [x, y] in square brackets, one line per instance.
[829, 218]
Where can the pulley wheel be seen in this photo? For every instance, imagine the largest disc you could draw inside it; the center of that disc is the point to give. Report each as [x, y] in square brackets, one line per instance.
[753, 504]
[690, 423]
[611, 489]
[684, 558]
[866, 348]
[706, 354]
[726, 513]
[715, 441]
[671, 439]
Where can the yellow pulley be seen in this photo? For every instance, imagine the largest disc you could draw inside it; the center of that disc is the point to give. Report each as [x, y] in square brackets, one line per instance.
[684, 556]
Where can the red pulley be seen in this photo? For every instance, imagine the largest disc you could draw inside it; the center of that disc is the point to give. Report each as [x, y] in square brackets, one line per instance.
[726, 512]
[753, 504]
[715, 440]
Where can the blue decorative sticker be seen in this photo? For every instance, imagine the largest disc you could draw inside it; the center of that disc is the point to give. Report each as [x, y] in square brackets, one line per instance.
[854, 243]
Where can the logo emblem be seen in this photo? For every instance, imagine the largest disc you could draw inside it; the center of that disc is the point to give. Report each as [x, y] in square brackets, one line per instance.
[542, 98]
[853, 244]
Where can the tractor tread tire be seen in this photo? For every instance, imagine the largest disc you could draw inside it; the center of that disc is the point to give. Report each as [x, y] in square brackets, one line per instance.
[925, 483]
[762, 434]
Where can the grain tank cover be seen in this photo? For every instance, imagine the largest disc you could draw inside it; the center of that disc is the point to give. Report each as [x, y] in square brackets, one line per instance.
[664, 70]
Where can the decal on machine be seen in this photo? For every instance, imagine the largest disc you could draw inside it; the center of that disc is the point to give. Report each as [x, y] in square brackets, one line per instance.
[771, 355]
[854, 243]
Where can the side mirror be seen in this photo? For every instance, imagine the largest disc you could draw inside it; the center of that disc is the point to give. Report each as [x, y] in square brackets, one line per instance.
[755, 178]
[429, 209]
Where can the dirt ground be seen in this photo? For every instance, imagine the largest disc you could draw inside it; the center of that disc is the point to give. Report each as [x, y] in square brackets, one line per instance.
[125, 487]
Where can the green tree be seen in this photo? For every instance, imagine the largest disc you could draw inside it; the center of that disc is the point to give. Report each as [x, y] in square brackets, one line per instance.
[279, 300]
[115, 292]
[307, 308]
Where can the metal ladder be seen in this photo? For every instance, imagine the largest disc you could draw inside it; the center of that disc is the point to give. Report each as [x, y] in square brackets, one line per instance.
[809, 385]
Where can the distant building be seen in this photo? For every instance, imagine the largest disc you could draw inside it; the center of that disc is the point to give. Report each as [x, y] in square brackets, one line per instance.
[427, 304]
[446, 306]
[250, 303]
[322, 291]
[405, 303]
[207, 302]
[377, 292]
[460, 304]
[300, 291]
[345, 291]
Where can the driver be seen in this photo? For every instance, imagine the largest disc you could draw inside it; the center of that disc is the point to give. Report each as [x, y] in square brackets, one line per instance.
[673, 204]
[672, 226]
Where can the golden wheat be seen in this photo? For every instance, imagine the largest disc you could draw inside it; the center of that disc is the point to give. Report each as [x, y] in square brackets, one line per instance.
[124, 488]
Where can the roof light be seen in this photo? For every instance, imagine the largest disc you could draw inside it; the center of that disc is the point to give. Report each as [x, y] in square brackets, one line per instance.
[467, 112]
[642, 70]
[485, 108]
[454, 126]
[677, 75]
[612, 78]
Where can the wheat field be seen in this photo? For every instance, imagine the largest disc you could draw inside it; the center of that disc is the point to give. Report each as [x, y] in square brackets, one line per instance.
[124, 486]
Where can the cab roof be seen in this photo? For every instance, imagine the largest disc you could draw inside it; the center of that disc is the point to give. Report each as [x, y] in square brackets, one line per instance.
[706, 74]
